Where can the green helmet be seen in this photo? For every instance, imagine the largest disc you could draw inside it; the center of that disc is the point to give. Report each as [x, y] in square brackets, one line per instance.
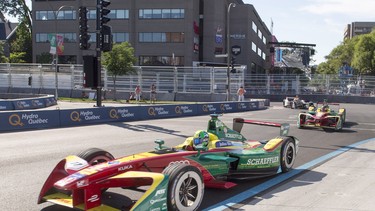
[201, 137]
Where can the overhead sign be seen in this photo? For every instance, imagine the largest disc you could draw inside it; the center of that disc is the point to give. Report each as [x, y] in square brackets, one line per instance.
[236, 50]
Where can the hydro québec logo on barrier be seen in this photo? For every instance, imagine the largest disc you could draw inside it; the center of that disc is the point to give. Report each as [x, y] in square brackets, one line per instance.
[76, 117]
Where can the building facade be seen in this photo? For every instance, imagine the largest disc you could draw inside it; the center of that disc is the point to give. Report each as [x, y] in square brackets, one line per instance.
[358, 28]
[162, 32]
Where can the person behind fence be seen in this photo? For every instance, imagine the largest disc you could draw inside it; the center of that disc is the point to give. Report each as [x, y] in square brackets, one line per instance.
[138, 93]
[153, 93]
[241, 94]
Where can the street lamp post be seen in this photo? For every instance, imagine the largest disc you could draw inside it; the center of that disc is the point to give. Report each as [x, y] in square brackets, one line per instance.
[56, 59]
[229, 57]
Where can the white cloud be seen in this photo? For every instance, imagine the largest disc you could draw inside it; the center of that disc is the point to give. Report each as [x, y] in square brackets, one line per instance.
[352, 8]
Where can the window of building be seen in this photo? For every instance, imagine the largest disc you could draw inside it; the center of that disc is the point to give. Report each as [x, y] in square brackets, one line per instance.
[263, 56]
[169, 37]
[92, 37]
[161, 60]
[68, 37]
[254, 47]
[120, 37]
[161, 13]
[113, 15]
[259, 52]
[260, 34]
[50, 15]
[254, 26]
[264, 40]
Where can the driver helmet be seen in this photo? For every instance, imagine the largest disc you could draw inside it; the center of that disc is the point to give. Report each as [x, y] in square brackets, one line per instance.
[325, 108]
[201, 138]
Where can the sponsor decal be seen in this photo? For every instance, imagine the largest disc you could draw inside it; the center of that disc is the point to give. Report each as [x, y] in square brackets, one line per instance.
[93, 198]
[183, 110]
[153, 111]
[179, 162]
[123, 168]
[117, 113]
[153, 201]
[75, 116]
[223, 144]
[31, 119]
[82, 183]
[226, 107]
[113, 162]
[161, 191]
[233, 135]
[37, 103]
[263, 161]
[241, 106]
[69, 179]
[208, 108]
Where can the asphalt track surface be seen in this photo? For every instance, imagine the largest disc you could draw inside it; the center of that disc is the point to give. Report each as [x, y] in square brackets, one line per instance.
[27, 157]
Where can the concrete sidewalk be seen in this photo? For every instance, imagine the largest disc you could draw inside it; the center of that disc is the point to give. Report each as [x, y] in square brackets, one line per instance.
[346, 182]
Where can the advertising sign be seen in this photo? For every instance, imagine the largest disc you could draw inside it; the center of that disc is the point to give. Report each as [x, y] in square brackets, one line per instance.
[28, 120]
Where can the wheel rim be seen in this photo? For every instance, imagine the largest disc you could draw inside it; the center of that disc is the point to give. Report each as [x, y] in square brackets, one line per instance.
[289, 155]
[189, 191]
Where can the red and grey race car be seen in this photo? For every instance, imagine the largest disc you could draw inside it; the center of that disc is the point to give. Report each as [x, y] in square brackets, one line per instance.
[323, 116]
[175, 177]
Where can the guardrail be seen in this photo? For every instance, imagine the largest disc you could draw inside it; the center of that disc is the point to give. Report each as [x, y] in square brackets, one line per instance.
[23, 120]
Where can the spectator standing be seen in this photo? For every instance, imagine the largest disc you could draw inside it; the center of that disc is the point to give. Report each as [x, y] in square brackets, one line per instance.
[153, 93]
[241, 94]
[138, 93]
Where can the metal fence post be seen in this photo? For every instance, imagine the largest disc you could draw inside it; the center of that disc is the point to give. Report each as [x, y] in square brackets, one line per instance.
[212, 80]
[175, 80]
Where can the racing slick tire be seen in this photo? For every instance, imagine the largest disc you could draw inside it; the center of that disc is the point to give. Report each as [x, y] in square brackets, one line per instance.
[95, 156]
[288, 155]
[339, 125]
[185, 187]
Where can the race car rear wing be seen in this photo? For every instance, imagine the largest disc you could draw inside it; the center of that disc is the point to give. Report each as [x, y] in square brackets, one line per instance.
[238, 124]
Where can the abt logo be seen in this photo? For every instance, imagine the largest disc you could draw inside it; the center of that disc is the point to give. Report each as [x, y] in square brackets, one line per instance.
[162, 191]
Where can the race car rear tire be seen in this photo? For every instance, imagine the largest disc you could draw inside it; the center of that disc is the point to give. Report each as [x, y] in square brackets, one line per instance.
[95, 156]
[288, 155]
[185, 187]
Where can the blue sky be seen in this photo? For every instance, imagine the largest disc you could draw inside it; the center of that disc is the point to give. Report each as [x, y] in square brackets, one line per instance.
[320, 22]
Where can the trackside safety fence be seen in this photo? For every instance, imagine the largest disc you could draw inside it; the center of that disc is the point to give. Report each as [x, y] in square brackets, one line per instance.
[23, 120]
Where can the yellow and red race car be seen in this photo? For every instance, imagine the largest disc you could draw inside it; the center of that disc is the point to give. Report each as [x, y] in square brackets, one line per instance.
[323, 116]
[176, 177]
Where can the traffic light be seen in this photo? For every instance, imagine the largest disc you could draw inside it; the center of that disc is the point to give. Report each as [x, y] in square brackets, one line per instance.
[84, 36]
[90, 71]
[106, 38]
[105, 31]
[232, 62]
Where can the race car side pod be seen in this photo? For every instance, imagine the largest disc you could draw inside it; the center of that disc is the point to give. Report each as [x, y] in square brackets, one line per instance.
[238, 123]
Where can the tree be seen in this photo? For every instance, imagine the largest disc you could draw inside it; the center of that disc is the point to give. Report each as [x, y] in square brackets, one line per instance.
[17, 57]
[3, 59]
[22, 43]
[364, 55]
[119, 61]
[17, 9]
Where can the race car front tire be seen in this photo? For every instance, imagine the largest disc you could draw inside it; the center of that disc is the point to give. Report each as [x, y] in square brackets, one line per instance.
[185, 187]
[95, 156]
[288, 154]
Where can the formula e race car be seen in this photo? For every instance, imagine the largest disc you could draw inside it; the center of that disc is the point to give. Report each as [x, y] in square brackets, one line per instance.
[175, 177]
[295, 102]
[323, 116]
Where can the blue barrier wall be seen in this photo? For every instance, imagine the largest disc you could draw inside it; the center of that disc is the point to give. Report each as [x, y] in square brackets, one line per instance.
[22, 120]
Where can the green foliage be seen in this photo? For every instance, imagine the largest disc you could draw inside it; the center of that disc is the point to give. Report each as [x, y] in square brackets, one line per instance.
[3, 59]
[17, 57]
[22, 43]
[119, 61]
[44, 58]
[357, 52]
[19, 9]
[364, 56]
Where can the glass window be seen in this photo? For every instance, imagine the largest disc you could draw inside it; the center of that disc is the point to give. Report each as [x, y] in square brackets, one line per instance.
[254, 47]
[147, 13]
[166, 13]
[260, 35]
[156, 13]
[254, 26]
[91, 14]
[120, 37]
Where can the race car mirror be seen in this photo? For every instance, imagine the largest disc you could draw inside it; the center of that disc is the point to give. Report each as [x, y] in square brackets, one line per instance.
[284, 129]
